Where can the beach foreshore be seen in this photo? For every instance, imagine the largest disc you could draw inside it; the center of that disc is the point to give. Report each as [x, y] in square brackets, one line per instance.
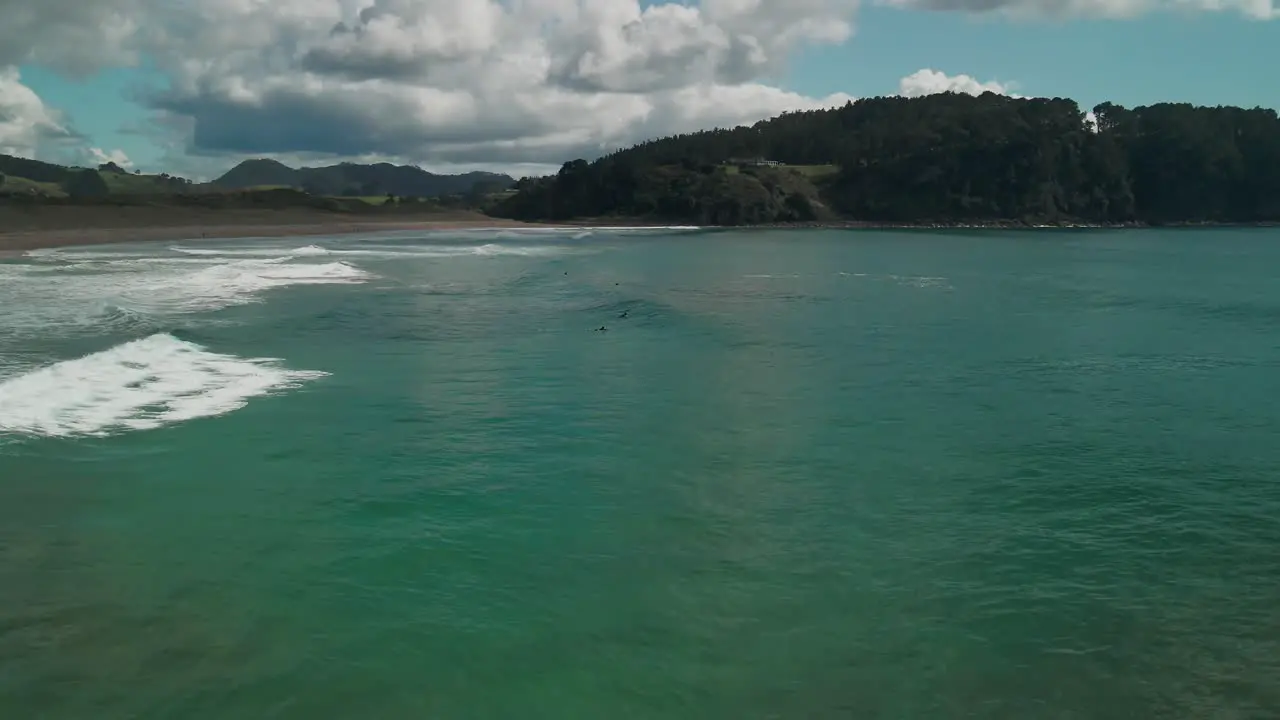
[22, 230]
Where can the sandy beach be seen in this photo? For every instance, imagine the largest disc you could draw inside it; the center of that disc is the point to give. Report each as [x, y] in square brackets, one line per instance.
[24, 229]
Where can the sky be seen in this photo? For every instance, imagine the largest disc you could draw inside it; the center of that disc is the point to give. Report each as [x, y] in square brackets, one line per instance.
[191, 87]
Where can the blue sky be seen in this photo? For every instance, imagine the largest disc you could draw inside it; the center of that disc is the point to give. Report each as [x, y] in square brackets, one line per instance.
[105, 107]
[1203, 57]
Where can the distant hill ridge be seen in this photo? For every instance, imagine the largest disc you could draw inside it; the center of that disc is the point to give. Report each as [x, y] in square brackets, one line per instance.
[351, 179]
[34, 178]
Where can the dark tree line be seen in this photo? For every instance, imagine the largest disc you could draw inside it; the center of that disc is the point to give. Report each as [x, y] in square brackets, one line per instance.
[948, 157]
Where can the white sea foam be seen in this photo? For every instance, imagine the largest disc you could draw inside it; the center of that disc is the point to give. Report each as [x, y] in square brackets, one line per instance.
[522, 250]
[80, 296]
[485, 242]
[140, 385]
[650, 228]
[921, 281]
[68, 255]
[574, 230]
[267, 251]
[387, 252]
[235, 283]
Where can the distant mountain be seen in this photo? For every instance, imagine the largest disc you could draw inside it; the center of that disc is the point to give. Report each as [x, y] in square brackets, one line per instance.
[353, 180]
[20, 176]
[258, 173]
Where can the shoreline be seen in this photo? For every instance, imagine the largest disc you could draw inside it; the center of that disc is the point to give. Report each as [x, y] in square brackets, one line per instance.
[43, 231]
[38, 235]
[920, 225]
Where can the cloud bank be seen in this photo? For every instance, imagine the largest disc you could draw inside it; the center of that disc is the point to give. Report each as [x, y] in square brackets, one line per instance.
[1103, 9]
[116, 157]
[26, 124]
[437, 81]
[930, 82]
[462, 82]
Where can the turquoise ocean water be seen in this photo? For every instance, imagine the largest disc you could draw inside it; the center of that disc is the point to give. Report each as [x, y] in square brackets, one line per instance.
[808, 475]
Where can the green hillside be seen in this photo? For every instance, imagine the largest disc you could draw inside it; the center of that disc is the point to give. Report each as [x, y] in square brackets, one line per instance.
[34, 179]
[354, 180]
[343, 188]
[122, 182]
[948, 158]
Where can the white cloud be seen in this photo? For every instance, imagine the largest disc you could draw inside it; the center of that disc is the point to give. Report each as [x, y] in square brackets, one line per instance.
[927, 81]
[76, 36]
[469, 82]
[1104, 9]
[440, 82]
[117, 157]
[25, 122]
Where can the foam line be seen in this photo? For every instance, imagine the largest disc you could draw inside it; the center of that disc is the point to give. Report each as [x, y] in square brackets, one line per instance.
[139, 385]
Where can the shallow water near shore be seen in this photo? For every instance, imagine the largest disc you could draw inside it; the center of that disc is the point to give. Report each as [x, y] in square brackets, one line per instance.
[802, 474]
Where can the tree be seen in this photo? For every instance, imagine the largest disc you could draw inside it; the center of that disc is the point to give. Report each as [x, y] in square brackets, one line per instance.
[948, 157]
[86, 184]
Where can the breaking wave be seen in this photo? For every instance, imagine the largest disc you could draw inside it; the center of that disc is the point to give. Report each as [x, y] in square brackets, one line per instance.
[139, 385]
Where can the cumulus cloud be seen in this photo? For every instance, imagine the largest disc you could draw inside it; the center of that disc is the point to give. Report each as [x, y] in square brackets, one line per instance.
[436, 81]
[1108, 9]
[620, 48]
[75, 36]
[26, 123]
[469, 81]
[927, 81]
[116, 157]
[441, 81]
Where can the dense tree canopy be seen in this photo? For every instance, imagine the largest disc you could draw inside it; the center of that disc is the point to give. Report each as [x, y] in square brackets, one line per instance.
[86, 184]
[941, 158]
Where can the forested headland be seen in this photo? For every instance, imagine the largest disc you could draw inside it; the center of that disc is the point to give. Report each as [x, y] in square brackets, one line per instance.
[940, 159]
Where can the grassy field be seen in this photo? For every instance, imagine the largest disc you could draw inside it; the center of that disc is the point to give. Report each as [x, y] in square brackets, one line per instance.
[129, 184]
[14, 184]
[263, 188]
[371, 199]
[815, 172]
[126, 184]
